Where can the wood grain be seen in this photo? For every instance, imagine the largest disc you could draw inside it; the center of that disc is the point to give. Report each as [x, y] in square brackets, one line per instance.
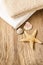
[13, 52]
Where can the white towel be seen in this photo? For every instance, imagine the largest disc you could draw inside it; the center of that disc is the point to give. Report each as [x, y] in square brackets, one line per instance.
[15, 7]
[10, 8]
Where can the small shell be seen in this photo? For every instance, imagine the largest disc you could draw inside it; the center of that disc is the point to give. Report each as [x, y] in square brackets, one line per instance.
[20, 31]
[27, 26]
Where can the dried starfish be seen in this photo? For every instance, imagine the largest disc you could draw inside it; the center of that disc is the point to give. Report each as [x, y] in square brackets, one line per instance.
[31, 38]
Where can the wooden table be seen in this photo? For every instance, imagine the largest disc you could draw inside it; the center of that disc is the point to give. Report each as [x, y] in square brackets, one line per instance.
[13, 52]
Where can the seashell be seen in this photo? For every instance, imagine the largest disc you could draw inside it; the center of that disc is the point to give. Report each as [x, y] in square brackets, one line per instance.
[27, 26]
[19, 31]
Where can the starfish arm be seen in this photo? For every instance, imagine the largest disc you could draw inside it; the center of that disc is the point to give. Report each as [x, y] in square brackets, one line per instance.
[34, 33]
[26, 34]
[23, 40]
[31, 45]
[37, 41]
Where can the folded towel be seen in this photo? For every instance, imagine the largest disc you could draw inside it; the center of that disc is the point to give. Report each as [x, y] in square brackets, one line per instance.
[16, 7]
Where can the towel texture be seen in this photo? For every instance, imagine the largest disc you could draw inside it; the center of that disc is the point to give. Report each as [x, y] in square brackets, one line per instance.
[15, 7]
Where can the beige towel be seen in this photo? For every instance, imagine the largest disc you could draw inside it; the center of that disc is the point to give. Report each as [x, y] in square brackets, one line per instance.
[15, 7]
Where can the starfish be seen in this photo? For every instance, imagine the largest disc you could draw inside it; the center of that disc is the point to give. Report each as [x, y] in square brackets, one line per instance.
[31, 38]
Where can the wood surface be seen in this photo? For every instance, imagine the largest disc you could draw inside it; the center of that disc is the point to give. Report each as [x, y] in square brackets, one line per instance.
[13, 52]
